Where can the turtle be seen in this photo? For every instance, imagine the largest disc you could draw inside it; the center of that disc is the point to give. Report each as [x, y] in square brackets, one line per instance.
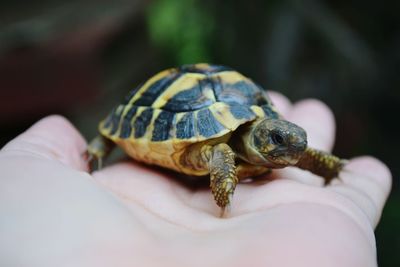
[208, 121]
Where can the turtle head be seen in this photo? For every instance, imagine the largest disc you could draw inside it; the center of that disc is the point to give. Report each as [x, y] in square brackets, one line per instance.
[275, 143]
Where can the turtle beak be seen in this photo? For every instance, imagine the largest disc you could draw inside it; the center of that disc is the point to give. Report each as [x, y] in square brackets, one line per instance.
[295, 150]
[298, 147]
[283, 157]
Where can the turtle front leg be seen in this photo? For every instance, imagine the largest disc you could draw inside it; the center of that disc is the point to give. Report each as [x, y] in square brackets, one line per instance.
[99, 148]
[223, 178]
[321, 163]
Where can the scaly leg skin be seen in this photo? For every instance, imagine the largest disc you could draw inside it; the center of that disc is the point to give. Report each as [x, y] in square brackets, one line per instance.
[223, 178]
[99, 148]
[321, 163]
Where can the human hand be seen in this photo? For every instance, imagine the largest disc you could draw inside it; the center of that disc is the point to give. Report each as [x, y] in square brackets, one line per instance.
[55, 214]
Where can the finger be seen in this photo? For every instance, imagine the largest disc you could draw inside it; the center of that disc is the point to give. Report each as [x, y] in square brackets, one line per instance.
[367, 182]
[54, 138]
[281, 102]
[317, 120]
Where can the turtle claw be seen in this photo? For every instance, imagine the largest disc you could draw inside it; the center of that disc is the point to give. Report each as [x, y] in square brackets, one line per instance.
[98, 149]
[225, 211]
[90, 159]
[99, 163]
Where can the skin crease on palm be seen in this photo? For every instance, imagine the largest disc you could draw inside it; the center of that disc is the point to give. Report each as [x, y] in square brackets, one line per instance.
[53, 213]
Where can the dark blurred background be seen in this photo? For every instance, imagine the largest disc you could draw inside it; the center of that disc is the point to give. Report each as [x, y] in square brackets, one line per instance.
[79, 58]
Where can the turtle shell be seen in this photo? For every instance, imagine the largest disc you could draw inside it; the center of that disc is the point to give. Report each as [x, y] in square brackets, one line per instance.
[182, 106]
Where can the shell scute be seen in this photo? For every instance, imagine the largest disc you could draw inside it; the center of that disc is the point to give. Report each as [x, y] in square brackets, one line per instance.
[142, 121]
[185, 127]
[188, 97]
[163, 126]
[207, 124]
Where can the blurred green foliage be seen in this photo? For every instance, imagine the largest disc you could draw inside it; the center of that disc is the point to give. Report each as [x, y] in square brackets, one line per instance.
[182, 28]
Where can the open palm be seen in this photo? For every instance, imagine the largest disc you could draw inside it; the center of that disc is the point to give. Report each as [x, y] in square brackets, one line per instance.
[55, 214]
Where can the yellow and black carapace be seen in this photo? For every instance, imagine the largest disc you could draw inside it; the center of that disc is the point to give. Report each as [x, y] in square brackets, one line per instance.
[206, 119]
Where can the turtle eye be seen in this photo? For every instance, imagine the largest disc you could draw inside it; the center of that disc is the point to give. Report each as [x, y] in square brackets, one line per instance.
[276, 138]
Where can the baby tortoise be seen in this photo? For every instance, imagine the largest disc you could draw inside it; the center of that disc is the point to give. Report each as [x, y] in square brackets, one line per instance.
[206, 119]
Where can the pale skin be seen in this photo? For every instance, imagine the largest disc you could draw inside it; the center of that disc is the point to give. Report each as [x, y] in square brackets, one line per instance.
[54, 213]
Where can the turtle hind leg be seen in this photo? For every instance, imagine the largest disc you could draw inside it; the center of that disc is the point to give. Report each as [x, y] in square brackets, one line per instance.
[99, 148]
[223, 178]
[321, 163]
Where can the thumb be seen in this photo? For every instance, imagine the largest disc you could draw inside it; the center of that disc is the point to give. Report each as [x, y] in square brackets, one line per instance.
[53, 138]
